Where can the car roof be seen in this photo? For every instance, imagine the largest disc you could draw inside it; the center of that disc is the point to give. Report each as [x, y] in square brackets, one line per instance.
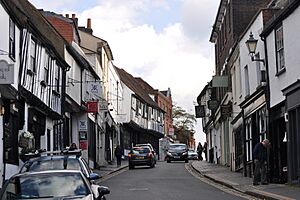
[68, 171]
[182, 144]
[141, 147]
[53, 157]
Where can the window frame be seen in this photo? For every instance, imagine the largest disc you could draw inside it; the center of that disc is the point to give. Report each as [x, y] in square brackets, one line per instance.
[279, 50]
[12, 39]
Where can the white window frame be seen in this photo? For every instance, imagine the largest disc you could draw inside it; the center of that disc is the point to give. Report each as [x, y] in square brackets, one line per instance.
[279, 45]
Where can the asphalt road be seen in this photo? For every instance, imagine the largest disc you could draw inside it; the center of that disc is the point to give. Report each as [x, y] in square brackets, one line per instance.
[167, 181]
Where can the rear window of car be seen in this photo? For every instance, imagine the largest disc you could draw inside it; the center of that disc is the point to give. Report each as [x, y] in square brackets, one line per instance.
[46, 186]
[141, 150]
[177, 146]
[57, 164]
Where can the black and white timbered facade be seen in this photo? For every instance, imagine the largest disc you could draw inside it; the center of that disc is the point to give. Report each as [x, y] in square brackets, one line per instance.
[33, 85]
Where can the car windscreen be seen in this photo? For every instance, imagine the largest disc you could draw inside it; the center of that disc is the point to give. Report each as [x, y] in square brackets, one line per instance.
[55, 164]
[46, 186]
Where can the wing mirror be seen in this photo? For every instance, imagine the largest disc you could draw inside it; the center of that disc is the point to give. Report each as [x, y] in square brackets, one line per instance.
[103, 190]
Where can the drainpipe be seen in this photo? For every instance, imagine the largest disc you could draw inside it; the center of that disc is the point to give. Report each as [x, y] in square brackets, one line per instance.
[267, 94]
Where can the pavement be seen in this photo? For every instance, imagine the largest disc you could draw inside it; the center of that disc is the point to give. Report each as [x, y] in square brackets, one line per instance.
[110, 168]
[222, 175]
[235, 180]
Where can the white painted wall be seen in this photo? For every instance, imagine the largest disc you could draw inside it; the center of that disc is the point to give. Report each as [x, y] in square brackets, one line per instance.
[115, 92]
[4, 46]
[245, 59]
[73, 78]
[126, 104]
[291, 29]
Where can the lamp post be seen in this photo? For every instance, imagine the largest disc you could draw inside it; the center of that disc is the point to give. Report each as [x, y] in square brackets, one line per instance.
[251, 44]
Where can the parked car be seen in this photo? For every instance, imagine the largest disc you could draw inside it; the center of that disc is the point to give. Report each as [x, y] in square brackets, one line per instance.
[192, 154]
[177, 152]
[140, 156]
[56, 160]
[151, 148]
[54, 184]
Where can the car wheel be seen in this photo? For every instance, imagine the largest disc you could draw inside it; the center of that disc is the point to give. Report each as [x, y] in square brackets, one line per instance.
[186, 161]
[168, 161]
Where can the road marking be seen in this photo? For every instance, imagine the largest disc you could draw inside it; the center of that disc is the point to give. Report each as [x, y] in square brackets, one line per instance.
[138, 189]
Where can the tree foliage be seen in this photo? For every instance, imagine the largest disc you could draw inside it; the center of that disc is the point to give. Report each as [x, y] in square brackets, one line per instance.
[184, 124]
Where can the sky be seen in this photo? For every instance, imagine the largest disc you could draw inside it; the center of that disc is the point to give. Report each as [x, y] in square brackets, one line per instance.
[165, 42]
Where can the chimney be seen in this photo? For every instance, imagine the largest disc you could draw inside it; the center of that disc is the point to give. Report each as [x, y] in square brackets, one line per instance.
[67, 15]
[89, 24]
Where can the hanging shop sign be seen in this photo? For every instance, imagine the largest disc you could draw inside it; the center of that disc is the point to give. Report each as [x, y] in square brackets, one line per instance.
[200, 111]
[220, 81]
[6, 73]
[213, 104]
[92, 107]
[103, 105]
[95, 88]
[226, 110]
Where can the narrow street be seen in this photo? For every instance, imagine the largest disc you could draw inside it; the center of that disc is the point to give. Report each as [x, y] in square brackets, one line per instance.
[165, 181]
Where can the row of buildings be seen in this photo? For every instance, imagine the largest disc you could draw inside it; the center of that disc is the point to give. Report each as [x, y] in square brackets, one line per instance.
[58, 85]
[254, 93]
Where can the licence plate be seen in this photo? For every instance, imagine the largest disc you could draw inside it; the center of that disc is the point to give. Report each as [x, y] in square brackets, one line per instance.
[139, 157]
[176, 156]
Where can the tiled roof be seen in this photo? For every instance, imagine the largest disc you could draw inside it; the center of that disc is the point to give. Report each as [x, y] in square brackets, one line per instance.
[136, 87]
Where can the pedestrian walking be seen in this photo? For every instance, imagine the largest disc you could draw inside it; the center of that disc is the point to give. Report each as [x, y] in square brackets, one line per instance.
[118, 154]
[260, 162]
[205, 150]
[199, 151]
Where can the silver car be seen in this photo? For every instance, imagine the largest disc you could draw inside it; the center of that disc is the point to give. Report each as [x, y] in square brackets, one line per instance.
[54, 184]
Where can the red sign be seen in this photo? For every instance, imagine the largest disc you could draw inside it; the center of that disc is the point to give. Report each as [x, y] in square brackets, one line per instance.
[83, 144]
[92, 106]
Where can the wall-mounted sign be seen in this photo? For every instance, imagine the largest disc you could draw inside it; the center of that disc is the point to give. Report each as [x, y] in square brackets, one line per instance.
[82, 135]
[200, 111]
[92, 107]
[83, 145]
[6, 72]
[213, 104]
[82, 125]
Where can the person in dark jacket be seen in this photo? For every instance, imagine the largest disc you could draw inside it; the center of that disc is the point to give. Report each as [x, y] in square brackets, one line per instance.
[118, 154]
[260, 161]
[199, 151]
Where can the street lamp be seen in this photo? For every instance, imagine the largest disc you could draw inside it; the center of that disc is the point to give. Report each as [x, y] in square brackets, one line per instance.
[251, 44]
